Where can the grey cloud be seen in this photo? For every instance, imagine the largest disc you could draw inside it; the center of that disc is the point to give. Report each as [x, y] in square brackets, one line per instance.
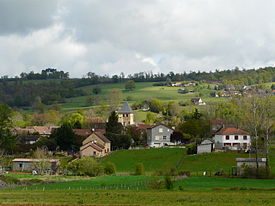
[23, 16]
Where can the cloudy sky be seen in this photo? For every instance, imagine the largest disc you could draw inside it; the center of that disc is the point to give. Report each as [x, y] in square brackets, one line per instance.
[113, 36]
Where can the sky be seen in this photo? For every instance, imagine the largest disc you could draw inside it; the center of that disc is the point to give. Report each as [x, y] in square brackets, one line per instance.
[130, 36]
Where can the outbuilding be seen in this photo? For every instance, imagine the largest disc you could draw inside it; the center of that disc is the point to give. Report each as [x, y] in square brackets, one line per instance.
[205, 147]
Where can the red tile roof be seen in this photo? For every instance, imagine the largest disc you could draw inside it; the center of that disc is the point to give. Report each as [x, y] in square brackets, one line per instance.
[82, 132]
[143, 126]
[232, 131]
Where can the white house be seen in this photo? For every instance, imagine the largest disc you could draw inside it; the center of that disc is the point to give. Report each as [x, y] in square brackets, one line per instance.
[232, 138]
[197, 101]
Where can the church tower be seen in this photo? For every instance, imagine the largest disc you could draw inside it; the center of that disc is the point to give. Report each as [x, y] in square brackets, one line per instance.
[125, 115]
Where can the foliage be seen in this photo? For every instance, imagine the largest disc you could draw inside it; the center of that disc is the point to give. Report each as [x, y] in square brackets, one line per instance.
[9, 180]
[97, 90]
[139, 169]
[119, 141]
[115, 97]
[113, 126]
[130, 85]
[43, 164]
[7, 140]
[191, 148]
[109, 168]
[75, 120]
[65, 138]
[85, 166]
[168, 182]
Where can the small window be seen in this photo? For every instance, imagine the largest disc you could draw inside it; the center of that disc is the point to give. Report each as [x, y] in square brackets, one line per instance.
[160, 130]
[245, 137]
[227, 137]
[94, 153]
[20, 165]
[156, 137]
[164, 137]
[236, 137]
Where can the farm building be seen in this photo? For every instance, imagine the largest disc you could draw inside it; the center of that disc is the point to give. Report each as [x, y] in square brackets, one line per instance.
[21, 164]
[182, 91]
[206, 146]
[125, 115]
[159, 136]
[243, 163]
[95, 145]
[232, 138]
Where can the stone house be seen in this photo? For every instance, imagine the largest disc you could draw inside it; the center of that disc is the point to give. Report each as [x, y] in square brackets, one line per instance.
[95, 145]
[159, 136]
[23, 164]
[197, 101]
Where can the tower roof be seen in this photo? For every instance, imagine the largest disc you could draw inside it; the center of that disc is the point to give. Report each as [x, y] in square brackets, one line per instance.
[125, 109]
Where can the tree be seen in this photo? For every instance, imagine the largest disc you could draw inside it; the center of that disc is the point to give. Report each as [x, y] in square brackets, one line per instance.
[75, 120]
[115, 98]
[113, 126]
[7, 140]
[65, 138]
[97, 90]
[42, 162]
[130, 85]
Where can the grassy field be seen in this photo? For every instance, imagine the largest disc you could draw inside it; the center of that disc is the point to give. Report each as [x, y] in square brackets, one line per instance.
[142, 198]
[126, 160]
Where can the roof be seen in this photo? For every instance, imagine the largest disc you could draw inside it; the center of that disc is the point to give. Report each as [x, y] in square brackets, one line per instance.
[82, 132]
[96, 120]
[218, 121]
[143, 126]
[195, 99]
[93, 145]
[24, 138]
[232, 131]
[33, 160]
[102, 137]
[156, 125]
[42, 130]
[250, 159]
[125, 109]
[206, 142]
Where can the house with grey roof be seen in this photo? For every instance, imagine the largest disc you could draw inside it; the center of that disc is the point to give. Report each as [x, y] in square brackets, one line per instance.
[125, 115]
[206, 146]
[159, 136]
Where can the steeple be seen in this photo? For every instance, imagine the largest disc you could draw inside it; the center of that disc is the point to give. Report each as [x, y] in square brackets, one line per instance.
[125, 109]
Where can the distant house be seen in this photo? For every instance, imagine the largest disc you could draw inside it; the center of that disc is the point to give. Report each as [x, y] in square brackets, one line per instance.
[182, 91]
[27, 139]
[206, 146]
[229, 93]
[197, 101]
[95, 145]
[125, 115]
[232, 138]
[22, 164]
[159, 136]
[177, 84]
[190, 84]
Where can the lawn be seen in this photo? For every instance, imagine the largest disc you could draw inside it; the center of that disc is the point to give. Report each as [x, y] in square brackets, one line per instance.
[153, 159]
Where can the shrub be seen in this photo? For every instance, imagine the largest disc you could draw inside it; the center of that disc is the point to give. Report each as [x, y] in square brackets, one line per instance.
[261, 172]
[156, 184]
[191, 148]
[109, 168]
[85, 166]
[168, 182]
[139, 169]
[10, 180]
[184, 173]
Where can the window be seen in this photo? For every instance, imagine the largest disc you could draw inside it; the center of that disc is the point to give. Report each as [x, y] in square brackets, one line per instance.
[160, 130]
[20, 165]
[156, 137]
[94, 153]
[227, 137]
[164, 137]
[244, 137]
[236, 137]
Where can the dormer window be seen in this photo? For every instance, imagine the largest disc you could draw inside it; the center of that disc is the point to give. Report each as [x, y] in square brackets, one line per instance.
[160, 130]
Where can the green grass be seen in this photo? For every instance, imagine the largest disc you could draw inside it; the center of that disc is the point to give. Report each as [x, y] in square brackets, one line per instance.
[208, 183]
[126, 160]
[210, 162]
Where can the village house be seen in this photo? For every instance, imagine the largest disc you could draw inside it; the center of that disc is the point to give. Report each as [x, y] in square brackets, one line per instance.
[197, 101]
[125, 115]
[177, 84]
[182, 91]
[95, 145]
[232, 138]
[229, 93]
[159, 136]
[97, 123]
[217, 124]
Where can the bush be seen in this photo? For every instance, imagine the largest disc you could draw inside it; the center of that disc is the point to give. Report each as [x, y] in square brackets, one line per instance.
[109, 168]
[10, 180]
[139, 169]
[156, 184]
[184, 173]
[261, 173]
[168, 182]
[85, 166]
[191, 148]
